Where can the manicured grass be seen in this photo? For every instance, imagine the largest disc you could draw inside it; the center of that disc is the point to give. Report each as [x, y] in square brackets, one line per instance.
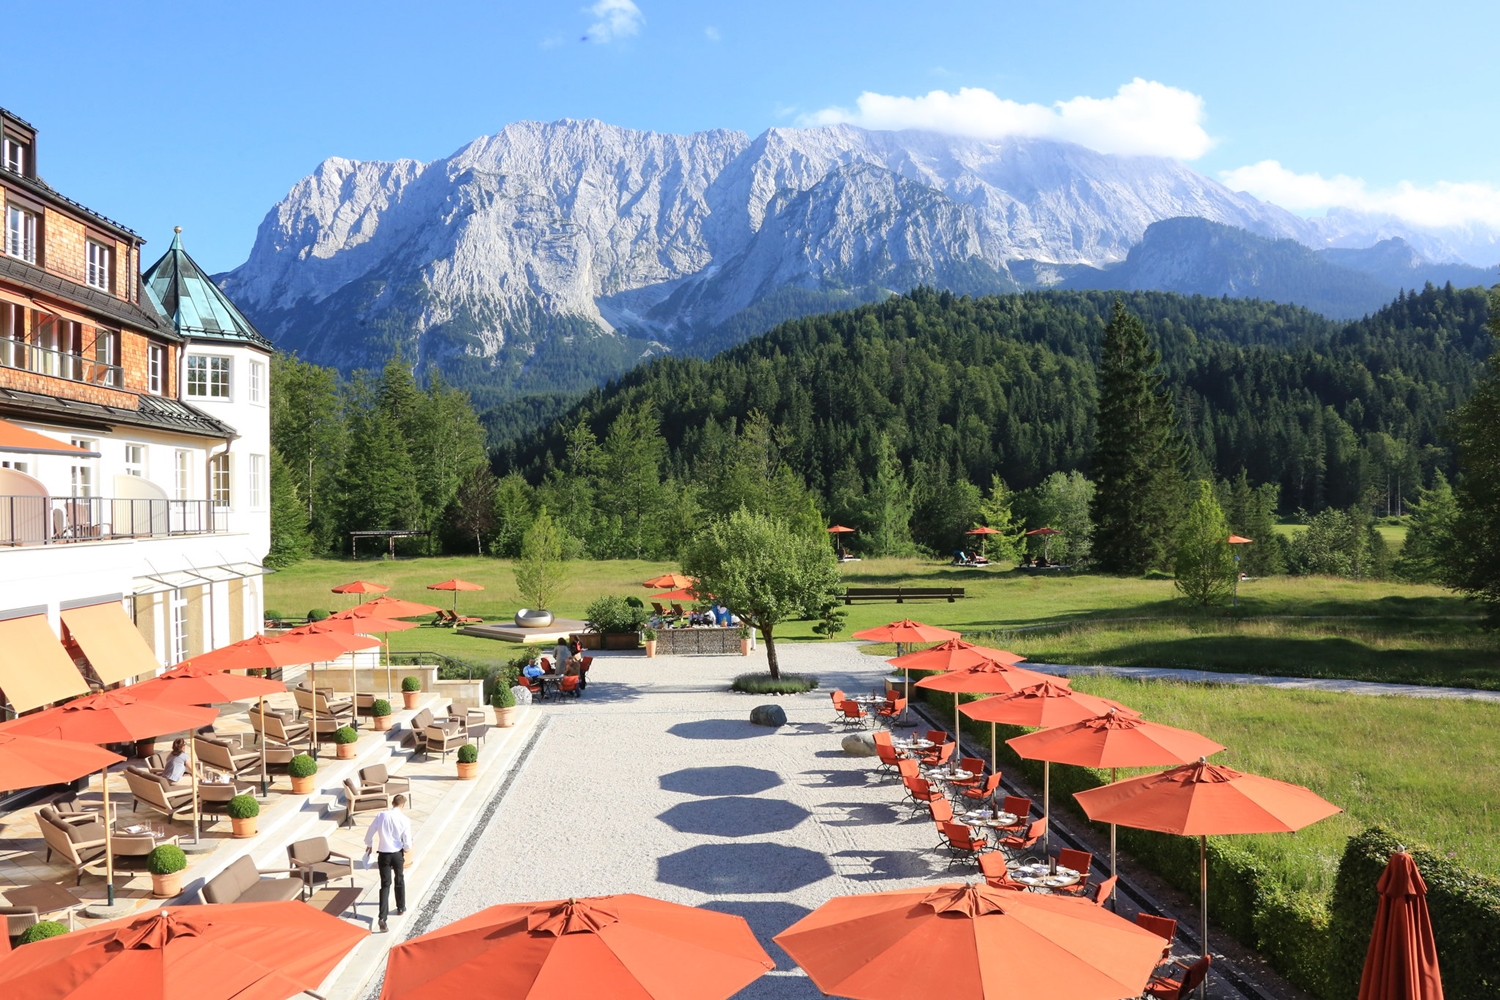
[1394, 534]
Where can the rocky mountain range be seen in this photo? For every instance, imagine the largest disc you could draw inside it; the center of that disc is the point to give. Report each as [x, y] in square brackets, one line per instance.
[552, 256]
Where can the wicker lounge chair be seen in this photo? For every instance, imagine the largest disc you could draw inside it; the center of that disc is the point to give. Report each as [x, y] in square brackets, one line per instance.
[241, 882]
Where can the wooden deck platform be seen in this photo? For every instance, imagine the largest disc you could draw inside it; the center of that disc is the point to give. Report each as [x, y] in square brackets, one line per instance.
[560, 628]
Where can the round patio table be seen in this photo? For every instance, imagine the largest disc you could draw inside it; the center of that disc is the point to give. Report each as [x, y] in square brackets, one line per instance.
[949, 776]
[913, 744]
[989, 820]
[1038, 876]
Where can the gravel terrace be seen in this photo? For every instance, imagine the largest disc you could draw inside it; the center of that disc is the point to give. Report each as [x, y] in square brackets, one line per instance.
[655, 782]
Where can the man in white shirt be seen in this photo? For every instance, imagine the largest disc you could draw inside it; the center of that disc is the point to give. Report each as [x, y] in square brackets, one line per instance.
[390, 836]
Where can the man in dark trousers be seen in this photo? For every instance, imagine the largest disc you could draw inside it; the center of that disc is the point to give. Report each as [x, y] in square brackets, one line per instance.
[390, 837]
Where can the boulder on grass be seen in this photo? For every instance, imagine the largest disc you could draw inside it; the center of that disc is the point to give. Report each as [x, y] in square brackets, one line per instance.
[522, 693]
[768, 715]
[859, 744]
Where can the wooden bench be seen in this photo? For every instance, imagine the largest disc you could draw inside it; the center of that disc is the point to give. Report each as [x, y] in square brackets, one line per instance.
[902, 594]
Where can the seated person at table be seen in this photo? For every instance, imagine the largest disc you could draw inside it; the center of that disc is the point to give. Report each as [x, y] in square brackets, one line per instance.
[721, 616]
[1042, 561]
[532, 668]
[174, 768]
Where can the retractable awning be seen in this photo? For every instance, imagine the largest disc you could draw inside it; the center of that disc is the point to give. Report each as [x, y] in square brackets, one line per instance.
[116, 650]
[35, 669]
[198, 576]
[15, 438]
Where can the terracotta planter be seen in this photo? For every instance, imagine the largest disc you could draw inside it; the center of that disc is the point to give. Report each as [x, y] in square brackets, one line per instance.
[744, 647]
[304, 786]
[243, 828]
[505, 717]
[650, 648]
[346, 750]
[410, 698]
[145, 748]
[166, 886]
[468, 772]
[381, 722]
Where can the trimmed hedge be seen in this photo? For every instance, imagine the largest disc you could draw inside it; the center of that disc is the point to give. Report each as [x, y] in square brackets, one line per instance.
[1465, 909]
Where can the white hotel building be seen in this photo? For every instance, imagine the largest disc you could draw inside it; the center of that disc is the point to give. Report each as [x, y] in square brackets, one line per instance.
[134, 449]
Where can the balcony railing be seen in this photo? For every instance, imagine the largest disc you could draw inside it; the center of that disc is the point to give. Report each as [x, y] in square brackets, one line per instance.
[59, 364]
[68, 520]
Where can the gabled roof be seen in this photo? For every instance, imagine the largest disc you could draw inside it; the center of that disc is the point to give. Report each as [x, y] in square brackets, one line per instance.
[195, 305]
[145, 315]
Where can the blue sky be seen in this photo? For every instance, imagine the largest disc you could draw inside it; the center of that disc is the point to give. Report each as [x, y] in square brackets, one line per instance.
[203, 115]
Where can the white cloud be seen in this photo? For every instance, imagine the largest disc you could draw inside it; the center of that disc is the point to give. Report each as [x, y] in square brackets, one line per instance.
[1142, 118]
[616, 19]
[712, 33]
[1442, 204]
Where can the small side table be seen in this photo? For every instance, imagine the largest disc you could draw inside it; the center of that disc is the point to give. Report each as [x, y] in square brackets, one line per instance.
[46, 897]
[335, 901]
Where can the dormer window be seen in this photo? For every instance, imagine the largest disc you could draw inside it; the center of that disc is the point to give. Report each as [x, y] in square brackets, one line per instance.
[101, 265]
[20, 233]
[16, 156]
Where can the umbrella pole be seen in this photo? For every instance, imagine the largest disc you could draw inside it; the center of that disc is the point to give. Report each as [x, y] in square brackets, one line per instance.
[265, 782]
[193, 774]
[1203, 902]
[1113, 859]
[109, 843]
[1047, 805]
[993, 765]
[312, 671]
[389, 694]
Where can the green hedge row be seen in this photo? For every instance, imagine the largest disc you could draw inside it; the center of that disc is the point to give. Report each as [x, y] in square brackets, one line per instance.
[1318, 944]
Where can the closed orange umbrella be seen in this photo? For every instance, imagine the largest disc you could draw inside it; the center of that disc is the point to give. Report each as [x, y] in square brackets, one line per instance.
[988, 677]
[229, 951]
[1203, 799]
[1114, 740]
[1402, 961]
[970, 942]
[672, 581]
[624, 946]
[111, 717]
[32, 761]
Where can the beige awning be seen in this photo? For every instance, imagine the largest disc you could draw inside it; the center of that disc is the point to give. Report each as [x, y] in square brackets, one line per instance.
[35, 670]
[116, 650]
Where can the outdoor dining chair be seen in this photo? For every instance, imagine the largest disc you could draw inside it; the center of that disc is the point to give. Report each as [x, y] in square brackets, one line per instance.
[1105, 889]
[985, 792]
[937, 736]
[886, 754]
[996, 872]
[975, 766]
[570, 685]
[939, 756]
[358, 799]
[1163, 927]
[1079, 861]
[962, 844]
[838, 697]
[316, 861]
[1017, 843]
[1168, 988]
[1019, 807]
[892, 709]
[853, 714]
[922, 792]
[905, 769]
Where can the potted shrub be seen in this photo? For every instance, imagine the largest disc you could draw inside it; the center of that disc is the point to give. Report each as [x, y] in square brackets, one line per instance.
[380, 711]
[242, 811]
[649, 635]
[302, 768]
[410, 688]
[42, 930]
[468, 762]
[317, 614]
[504, 701]
[345, 737]
[744, 640]
[165, 863]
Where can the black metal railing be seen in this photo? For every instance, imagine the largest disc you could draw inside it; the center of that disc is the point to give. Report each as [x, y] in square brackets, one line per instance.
[59, 364]
[65, 520]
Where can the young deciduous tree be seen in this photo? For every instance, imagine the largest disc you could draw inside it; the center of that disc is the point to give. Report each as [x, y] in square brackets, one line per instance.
[540, 571]
[472, 512]
[1064, 501]
[1204, 562]
[765, 571]
[1138, 456]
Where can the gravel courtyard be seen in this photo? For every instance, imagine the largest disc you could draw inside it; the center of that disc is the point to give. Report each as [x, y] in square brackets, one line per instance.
[655, 782]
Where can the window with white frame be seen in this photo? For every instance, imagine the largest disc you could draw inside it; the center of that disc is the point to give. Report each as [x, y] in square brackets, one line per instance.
[20, 233]
[257, 480]
[208, 377]
[182, 472]
[11, 463]
[100, 270]
[135, 460]
[218, 474]
[16, 155]
[156, 368]
[179, 605]
[257, 382]
[83, 469]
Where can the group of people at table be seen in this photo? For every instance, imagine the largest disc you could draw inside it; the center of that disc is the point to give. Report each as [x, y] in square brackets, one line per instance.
[565, 673]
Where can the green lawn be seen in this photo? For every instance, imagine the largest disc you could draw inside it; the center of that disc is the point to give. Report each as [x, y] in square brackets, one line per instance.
[1394, 534]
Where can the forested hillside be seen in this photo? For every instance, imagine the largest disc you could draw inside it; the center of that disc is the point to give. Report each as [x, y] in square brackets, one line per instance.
[961, 390]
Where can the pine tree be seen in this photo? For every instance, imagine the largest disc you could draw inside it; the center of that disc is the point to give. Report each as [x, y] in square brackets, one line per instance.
[887, 503]
[998, 512]
[1476, 527]
[1428, 550]
[308, 429]
[377, 486]
[290, 540]
[1204, 562]
[1138, 455]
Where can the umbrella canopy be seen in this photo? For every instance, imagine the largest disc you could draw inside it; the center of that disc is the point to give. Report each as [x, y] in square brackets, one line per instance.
[352, 626]
[1402, 962]
[1043, 531]
[966, 942]
[243, 951]
[1239, 540]
[1203, 799]
[361, 587]
[685, 594]
[1114, 740]
[983, 529]
[906, 631]
[989, 677]
[31, 761]
[672, 581]
[110, 717]
[454, 584]
[388, 607]
[263, 652]
[192, 684]
[839, 529]
[605, 946]
[954, 654]
[1044, 704]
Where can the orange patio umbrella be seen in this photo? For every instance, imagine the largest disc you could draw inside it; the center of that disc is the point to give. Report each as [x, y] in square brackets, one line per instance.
[905, 632]
[987, 677]
[360, 626]
[1203, 799]
[187, 684]
[112, 717]
[1048, 702]
[387, 607]
[982, 531]
[229, 951]
[454, 585]
[685, 594]
[361, 587]
[1114, 740]
[33, 761]
[954, 654]
[1402, 961]
[603, 946]
[672, 581]
[970, 942]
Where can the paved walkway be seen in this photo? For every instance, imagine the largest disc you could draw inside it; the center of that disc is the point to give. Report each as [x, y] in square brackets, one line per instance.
[1339, 685]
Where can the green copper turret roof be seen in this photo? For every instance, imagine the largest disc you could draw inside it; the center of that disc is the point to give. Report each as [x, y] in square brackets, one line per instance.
[196, 306]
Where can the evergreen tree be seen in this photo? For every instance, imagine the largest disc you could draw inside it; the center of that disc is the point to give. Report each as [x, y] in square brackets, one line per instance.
[1138, 456]
[1251, 513]
[632, 498]
[1429, 548]
[377, 486]
[308, 429]
[1204, 563]
[1476, 526]
[998, 511]
[291, 542]
[887, 507]
[513, 514]
[446, 443]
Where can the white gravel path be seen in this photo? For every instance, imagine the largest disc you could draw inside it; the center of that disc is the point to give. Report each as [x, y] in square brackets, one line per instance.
[655, 782]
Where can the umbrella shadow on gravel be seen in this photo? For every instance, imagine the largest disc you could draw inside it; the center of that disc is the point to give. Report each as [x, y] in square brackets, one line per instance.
[766, 920]
[734, 869]
[862, 814]
[719, 729]
[730, 780]
[881, 866]
[734, 816]
[833, 778]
